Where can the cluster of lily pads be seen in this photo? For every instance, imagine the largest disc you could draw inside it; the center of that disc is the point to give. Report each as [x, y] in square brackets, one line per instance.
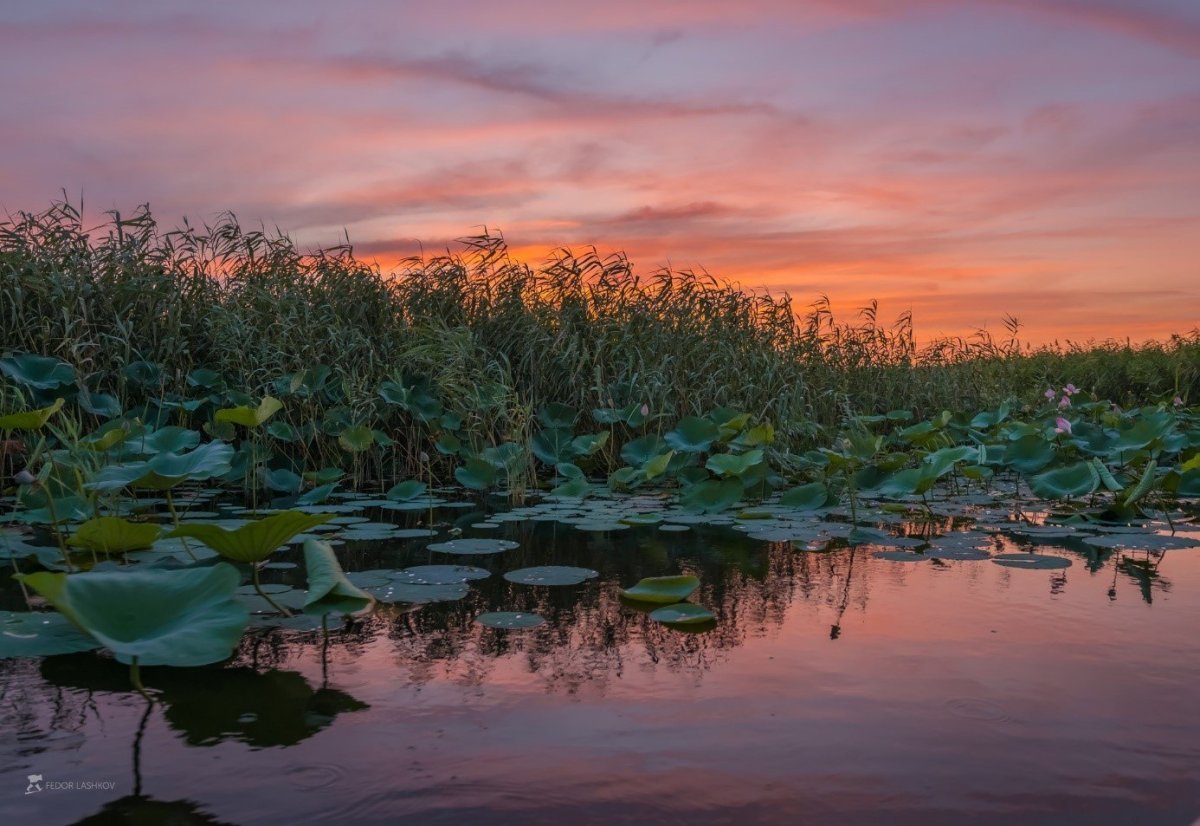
[141, 566]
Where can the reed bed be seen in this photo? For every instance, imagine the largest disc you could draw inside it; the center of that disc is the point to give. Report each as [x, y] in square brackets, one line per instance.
[499, 337]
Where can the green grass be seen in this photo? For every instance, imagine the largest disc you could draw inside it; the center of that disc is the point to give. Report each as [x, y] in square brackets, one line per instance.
[498, 337]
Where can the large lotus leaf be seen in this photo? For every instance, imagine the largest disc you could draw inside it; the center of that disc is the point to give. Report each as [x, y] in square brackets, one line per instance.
[1144, 486]
[1079, 479]
[693, 435]
[102, 405]
[573, 488]
[758, 436]
[909, 481]
[1142, 432]
[806, 497]
[145, 374]
[281, 480]
[987, 419]
[631, 415]
[552, 445]
[555, 415]
[328, 588]
[283, 431]
[167, 470]
[588, 443]
[40, 635]
[30, 419]
[476, 474]
[205, 378]
[712, 495]
[943, 461]
[205, 462]
[637, 452]
[656, 466]
[167, 440]
[406, 491]
[317, 495]
[257, 540]
[1189, 484]
[113, 535]
[506, 457]
[248, 416]
[667, 590]
[185, 617]
[1029, 454]
[38, 372]
[109, 435]
[727, 464]
[356, 439]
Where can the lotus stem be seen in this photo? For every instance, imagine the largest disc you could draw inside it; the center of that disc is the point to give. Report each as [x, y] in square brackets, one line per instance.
[135, 677]
[263, 594]
[175, 520]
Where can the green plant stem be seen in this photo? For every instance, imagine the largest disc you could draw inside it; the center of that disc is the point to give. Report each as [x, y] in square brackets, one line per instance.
[135, 677]
[263, 594]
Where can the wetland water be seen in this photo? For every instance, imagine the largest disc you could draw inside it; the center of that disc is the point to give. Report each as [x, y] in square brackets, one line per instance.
[837, 687]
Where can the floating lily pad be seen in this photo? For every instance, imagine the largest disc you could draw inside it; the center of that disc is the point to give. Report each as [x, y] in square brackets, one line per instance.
[439, 574]
[900, 556]
[664, 589]
[674, 528]
[682, 613]
[41, 634]
[473, 546]
[395, 591]
[1143, 542]
[510, 620]
[1033, 562]
[551, 575]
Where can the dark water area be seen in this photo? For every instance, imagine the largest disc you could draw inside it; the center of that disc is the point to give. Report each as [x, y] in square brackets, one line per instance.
[837, 687]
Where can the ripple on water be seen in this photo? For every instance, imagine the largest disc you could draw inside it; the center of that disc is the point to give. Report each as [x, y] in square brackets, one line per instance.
[313, 775]
[976, 709]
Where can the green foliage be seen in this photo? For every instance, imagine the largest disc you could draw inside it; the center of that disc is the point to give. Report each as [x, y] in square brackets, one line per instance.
[255, 541]
[152, 617]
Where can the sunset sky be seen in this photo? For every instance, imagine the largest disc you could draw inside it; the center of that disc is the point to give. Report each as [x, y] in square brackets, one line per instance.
[962, 159]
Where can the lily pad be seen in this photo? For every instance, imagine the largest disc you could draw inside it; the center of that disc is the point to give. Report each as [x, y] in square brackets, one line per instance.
[439, 574]
[551, 575]
[682, 613]
[41, 634]
[1143, 542]
[473, 547]
[510, 620]
[664, 589]
[1033, 562]
[394, 591]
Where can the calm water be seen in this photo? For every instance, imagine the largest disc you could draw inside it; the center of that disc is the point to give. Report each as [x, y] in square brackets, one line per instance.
[836, 688]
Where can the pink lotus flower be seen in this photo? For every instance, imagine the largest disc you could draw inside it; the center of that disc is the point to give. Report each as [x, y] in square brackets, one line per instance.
[645, 410]
[24, 477]
[1064, 402]
[1178, 402]
[1070, 390]
[1049, 394]
[1061, 425]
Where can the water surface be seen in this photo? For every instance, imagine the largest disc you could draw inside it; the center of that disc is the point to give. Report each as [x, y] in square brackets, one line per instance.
[837, 687]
